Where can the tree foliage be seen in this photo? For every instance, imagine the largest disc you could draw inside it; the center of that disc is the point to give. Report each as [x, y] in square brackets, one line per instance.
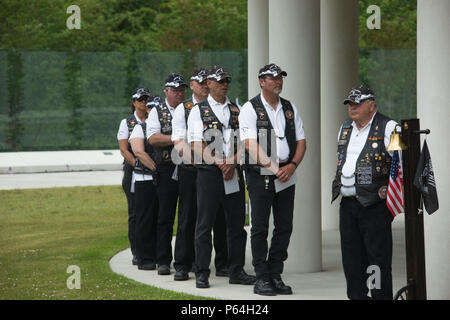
[199, 25]
[150, 25]
[398, 25]
[59, 87]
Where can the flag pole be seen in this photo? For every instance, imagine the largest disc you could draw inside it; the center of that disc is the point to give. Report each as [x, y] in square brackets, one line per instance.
[414, 230]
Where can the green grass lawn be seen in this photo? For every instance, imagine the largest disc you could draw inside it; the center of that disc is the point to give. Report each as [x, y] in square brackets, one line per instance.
[43, 231]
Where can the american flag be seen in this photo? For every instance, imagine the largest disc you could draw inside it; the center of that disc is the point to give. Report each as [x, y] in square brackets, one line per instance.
[395, 190]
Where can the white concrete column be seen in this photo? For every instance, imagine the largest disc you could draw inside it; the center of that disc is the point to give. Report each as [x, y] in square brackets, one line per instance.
[258, 42]
[294, 45]
[433, 110]
[338, 74]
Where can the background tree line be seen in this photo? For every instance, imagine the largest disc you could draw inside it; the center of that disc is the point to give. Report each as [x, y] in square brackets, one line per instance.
[60, 87]
[112, 25]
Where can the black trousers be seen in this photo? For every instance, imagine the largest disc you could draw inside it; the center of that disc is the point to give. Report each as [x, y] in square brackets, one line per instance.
[146, 213]
[126, 186]
[187, 216]
[366, 240]
[167, 190]
[211, 199]
[220, 240]
[269, 262]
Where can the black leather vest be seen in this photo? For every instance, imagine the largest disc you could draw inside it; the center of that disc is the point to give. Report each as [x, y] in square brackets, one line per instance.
[266, 132]
[188, 105]
[131, 123]
[139, 167]
[162, 155]
[210, 121]
[373, 164]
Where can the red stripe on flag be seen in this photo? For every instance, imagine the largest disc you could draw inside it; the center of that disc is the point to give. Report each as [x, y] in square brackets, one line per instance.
[394, 199]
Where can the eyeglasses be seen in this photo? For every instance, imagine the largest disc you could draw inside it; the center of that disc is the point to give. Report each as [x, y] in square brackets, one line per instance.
[223, 81]
[143, 98]
[178, 90]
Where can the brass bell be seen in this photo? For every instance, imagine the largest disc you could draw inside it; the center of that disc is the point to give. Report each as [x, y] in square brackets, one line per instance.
[396, 142]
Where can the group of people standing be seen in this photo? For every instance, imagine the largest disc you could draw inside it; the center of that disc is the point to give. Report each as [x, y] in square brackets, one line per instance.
[210, 192]
[198, 155]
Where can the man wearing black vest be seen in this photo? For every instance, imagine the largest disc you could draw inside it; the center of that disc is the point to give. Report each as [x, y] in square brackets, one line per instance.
[212, 131]
[275, 144]
[362, 178]
[184, 254]
[140, 113]
[159, 133]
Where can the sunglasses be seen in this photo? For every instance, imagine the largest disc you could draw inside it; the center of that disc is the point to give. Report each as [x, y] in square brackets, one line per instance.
[223, 81]
[143, 98]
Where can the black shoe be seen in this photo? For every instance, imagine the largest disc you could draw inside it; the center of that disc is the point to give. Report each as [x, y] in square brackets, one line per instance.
[280, 287]
[223, 272]
[147, 266]
[181, 275]
[163, 269]
[134, 261]
[242, 278]
[264, 288]
[201, 281]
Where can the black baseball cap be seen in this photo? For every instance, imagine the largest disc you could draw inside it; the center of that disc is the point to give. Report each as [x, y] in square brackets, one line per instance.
[153, 101]
[271, 70]
[199, 75]
[175, 80]
[218, 73]
[359, 94]
[140, 92]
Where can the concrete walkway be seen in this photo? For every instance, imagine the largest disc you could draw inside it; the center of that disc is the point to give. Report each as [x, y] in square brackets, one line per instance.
[88, 168]
[326, 285]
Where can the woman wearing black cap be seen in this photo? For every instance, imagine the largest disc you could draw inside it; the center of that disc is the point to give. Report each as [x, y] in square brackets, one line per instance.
[139, 114]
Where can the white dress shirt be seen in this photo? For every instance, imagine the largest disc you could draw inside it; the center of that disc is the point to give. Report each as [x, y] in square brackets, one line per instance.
[222, 112]
[122, 134]
[153, 125]
[358, 139]
[179, 122]
[248, 128]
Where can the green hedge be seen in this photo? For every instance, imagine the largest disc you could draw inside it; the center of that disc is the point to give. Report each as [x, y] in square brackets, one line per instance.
[69, 100]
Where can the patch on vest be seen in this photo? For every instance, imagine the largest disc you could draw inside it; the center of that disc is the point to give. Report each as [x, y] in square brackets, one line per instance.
[261, 115]
[189, 105]
[343, 139]
[364, 175]
[289, 114]
[382, 192]
[260, 123]
[234, 108]
[344, 134]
